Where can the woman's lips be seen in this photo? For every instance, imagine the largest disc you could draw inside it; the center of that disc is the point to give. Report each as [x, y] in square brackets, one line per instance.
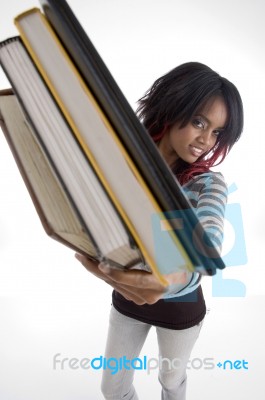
[196, 151]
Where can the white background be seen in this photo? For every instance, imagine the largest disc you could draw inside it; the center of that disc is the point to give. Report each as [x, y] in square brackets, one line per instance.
[48, 302]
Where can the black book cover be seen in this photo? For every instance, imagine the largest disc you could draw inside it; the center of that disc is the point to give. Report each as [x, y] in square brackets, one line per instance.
[132, 134]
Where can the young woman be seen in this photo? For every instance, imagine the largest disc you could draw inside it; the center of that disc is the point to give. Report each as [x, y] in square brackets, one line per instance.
[194, 116]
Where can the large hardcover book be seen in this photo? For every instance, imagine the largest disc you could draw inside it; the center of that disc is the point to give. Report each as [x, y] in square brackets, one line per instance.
[125, 242]
[132, 134]
[34, 31]
[93, 108]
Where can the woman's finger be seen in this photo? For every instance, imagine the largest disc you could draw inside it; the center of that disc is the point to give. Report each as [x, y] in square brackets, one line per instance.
[135, 278]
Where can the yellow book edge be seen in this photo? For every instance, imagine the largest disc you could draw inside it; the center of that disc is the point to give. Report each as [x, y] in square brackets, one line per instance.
[150, 261]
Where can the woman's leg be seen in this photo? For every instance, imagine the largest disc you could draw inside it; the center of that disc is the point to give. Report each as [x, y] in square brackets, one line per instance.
[126, 337]
[175, 347]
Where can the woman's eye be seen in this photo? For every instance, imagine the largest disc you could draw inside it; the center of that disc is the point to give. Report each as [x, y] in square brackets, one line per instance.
[216, 132]
[198, 123]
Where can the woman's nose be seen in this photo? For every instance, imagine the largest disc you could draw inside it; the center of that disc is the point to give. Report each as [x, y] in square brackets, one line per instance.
[205, 137]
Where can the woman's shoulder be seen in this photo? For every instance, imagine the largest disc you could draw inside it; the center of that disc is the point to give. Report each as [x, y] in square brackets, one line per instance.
[211, 181]
[208, 179]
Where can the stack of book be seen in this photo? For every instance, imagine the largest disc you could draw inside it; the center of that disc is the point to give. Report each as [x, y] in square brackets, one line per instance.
[95, 176]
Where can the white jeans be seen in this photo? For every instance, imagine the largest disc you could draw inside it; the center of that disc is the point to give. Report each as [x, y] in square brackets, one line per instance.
[126, 337]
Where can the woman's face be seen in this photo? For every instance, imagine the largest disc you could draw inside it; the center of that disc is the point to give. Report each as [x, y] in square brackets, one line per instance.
[197, 137]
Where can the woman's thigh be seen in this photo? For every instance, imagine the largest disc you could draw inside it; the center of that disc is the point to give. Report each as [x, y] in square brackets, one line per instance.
[175, 347]
[126, 337]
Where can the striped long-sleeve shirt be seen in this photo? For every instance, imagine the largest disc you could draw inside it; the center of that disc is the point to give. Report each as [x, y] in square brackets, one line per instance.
[208, 195]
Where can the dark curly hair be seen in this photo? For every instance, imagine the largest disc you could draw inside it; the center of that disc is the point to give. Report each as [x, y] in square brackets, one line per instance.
[177, 96]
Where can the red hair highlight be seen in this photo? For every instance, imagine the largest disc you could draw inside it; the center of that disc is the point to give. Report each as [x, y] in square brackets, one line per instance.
[185, 172]
[202, 165]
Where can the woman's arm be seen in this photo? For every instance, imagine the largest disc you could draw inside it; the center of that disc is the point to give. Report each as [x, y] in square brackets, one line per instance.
[210, 209]
[138, 286]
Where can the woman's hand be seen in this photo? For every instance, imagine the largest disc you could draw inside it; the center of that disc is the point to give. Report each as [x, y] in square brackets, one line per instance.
[138, 286]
